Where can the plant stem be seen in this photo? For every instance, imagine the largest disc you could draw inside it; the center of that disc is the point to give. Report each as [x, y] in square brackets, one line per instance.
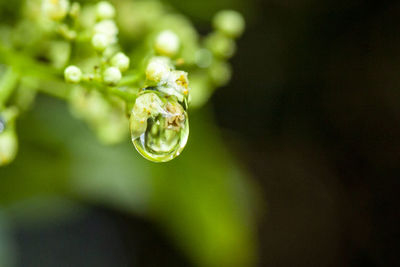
[27, 65]
[130, 79]
[51, 82]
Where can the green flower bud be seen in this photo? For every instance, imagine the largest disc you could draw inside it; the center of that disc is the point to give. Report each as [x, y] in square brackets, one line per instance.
[200, 89]
[229, 22]
[105, 10]
[112, 75]
[8, 147]
[221, 46]
[159, 126]
[203, 58]
[121, 61]
[220, 73]
[73, 74]
[55, 9]
[167, 43]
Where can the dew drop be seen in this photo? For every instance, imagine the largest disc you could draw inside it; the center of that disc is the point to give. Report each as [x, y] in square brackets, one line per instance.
[2, 124]
[159, 126]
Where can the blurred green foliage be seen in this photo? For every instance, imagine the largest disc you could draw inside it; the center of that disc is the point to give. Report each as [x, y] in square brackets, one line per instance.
[203, 200]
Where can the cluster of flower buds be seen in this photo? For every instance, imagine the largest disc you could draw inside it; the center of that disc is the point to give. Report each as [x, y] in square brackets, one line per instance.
[55, 9]
[104, 34]
[105, 116]
[58, 11]
[104, 40]
[212, 60]
[144, 89]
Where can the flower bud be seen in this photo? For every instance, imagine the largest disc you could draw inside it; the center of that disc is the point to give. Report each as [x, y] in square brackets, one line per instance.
[121, 61]
[73, 74]
[158, 69]
[55, 9]
[105, 34]
[229, 22]
[8, 147]
[167, 43]
[112, 76]
[105, 10]
[203, 58]
[220, 73]
[108, 27]
[220, 45]
[100, 41]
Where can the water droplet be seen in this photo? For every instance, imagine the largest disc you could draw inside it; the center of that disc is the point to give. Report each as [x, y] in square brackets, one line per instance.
[2, 124]
[159, 126]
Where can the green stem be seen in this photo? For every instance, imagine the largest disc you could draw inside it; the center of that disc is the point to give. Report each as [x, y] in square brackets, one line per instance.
[128, 94]
[27, 65]
[130, 79]
[52, 83]
[50, 79]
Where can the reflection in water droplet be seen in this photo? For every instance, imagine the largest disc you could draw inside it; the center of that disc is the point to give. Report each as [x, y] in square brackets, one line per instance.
[159, 126]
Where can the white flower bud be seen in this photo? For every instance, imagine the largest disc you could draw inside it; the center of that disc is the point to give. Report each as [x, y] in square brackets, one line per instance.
[105, 34]
[229, 22]
[101, 41]
[158, 69]
[73, 74]
[112, 75]
[107, 27]
[55, 9]
[121, 61]
[105, 10]
[167, 43]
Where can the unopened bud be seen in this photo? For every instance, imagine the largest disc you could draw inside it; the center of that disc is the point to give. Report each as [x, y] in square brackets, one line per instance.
[112, 75]
[73, 74]
[167, 43]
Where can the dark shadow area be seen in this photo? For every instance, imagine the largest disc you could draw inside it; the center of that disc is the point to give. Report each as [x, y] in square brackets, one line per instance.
[314, 111]
[98, 238]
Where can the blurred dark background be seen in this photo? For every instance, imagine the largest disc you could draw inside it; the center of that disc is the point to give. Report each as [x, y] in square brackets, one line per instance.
[313, 116]
[314, 106]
